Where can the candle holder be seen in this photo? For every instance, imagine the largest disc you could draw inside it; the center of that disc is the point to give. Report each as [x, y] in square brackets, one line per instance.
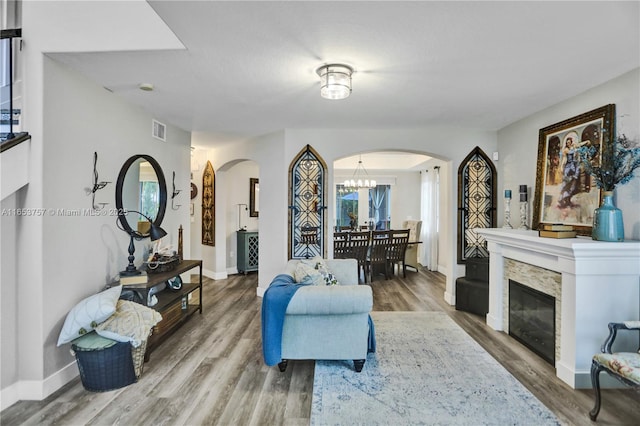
[524, 207]
[524, 213]
[507, 213]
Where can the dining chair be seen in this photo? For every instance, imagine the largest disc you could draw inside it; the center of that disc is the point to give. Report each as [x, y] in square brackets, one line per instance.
[396, 250]
[359, 249]
[341, 248]
[411, 256]
[378, 253]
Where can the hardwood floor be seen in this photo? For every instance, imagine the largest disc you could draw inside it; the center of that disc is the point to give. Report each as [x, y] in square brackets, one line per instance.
[211, 370]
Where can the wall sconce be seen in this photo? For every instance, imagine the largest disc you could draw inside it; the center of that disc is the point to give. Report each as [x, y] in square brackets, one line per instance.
[97, 185]
[174, 192]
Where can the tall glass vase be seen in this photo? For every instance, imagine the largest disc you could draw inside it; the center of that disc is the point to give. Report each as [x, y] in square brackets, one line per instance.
[607, 221]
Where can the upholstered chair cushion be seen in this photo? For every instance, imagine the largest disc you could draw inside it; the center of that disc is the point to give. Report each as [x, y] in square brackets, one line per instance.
[626, 364]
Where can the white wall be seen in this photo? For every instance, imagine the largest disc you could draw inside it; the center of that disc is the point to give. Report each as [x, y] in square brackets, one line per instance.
[60, 259]
[518, 144]
[94, 248]
[274, 153]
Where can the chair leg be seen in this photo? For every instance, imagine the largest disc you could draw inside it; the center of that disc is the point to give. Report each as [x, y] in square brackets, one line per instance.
[595, 382]
[282, 365]
[358, 364]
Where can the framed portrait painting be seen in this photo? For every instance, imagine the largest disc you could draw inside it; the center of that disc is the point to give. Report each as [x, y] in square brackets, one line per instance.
[565, 193]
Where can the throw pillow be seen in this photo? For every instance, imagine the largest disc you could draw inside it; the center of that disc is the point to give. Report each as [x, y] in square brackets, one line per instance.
[317, 270]
[87, 314]
[306, 271]
[132, 322]
[327, 276]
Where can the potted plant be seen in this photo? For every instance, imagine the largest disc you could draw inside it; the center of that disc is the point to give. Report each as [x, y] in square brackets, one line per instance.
[615, 168]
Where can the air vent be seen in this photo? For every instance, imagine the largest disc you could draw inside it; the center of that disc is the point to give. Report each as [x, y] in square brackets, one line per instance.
[159, 130]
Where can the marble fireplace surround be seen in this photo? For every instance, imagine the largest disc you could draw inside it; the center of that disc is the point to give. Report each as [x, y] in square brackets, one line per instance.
[599, 283]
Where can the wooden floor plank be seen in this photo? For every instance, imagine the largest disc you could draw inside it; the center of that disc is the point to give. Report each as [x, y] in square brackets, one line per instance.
[211, 370]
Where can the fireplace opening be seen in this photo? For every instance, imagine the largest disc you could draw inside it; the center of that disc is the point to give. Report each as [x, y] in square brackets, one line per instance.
[532, 320]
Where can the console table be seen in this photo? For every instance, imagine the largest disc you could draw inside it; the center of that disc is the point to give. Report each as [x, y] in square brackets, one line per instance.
[175, 306]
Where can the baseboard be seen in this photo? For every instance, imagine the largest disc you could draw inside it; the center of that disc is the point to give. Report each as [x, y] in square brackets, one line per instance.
[232, 271]
[493, 322]
[260, 291]
[37, 390]
[449, 298]
[581, 379]
[9, 395]
[214, 275]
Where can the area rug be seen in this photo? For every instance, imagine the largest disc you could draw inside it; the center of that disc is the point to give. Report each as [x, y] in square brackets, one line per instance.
[426, 371]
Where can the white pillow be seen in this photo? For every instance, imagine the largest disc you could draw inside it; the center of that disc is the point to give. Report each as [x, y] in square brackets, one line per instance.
[87, 314]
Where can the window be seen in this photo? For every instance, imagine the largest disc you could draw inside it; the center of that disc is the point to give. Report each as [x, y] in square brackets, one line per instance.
[375, 213]
[10, 96]
[346, 202]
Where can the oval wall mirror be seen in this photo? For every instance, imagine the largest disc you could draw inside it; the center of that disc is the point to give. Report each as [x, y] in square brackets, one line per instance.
[141, 187]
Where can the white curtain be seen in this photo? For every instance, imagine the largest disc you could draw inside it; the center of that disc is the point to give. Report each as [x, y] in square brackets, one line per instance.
[429, 212]
[378, 198]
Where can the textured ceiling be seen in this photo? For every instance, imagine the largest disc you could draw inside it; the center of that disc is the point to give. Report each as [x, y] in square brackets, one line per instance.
[248, 68]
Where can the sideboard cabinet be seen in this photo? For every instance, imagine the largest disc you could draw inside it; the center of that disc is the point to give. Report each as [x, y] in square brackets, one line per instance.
[247, 251]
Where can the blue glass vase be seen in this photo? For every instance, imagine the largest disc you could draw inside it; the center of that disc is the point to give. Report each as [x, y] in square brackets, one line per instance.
[607, 221]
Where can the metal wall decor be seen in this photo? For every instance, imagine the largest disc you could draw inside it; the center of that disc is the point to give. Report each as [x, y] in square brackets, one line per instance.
[208, 206]
[307, 183]
[476, 203]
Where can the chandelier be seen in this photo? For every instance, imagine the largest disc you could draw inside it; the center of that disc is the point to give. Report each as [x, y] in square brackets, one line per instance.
[360, 179]
[335, 81]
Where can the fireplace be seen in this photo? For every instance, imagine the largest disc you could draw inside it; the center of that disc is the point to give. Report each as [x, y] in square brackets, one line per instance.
[593, 284]
[532, 319]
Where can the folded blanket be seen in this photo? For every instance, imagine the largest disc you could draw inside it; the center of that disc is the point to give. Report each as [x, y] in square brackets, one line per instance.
[371, 342]
[274, 306]
[131, 322]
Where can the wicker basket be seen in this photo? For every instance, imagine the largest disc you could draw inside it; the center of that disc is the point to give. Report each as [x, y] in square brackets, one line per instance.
[105, 369]
[164, 264]
[137, 355]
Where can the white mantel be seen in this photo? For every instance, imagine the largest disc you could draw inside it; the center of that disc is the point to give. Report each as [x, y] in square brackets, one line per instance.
[600, 284]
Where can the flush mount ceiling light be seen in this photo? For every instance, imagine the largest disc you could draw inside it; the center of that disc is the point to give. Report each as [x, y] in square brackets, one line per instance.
[335, 81]
[147, 87]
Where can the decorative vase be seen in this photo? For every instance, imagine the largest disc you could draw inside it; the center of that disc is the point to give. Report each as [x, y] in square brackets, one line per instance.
[607, 221]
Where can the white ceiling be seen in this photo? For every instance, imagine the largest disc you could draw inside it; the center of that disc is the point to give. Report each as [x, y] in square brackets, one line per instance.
[248, 68]
[388, 160]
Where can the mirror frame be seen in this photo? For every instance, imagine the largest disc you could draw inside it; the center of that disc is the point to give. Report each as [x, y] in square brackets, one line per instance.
[162, 186]
[253, 183]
